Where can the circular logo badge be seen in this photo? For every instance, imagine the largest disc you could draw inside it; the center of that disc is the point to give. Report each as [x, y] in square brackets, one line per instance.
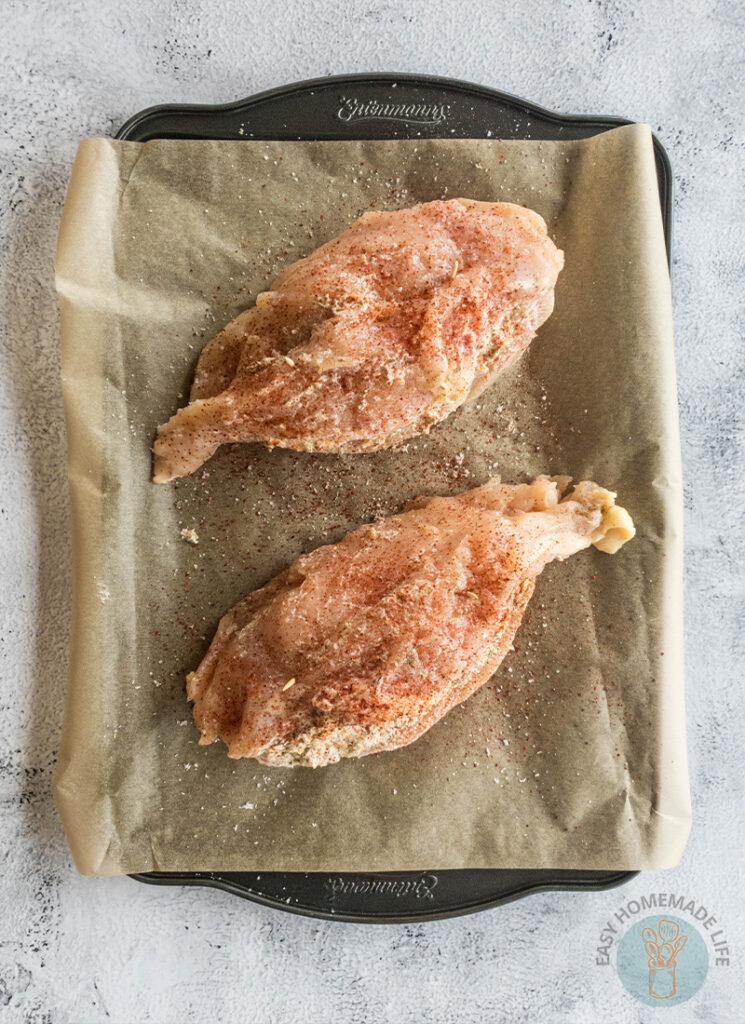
[662, 961]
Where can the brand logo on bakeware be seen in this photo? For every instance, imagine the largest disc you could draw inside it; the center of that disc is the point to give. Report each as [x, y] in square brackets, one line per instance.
[662, 960]
[353, 109]
[420, 887]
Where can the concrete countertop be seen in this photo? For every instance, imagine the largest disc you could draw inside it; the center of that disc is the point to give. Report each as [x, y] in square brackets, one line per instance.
[81, 950]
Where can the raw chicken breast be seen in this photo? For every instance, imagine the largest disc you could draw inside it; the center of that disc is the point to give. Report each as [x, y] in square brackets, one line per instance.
[374, 337]
[361, 646]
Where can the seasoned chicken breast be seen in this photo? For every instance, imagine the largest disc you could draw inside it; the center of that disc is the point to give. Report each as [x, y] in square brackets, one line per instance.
[374, 337]
[361, 646]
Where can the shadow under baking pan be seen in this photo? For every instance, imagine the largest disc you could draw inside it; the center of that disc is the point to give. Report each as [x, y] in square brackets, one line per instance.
[385, 106]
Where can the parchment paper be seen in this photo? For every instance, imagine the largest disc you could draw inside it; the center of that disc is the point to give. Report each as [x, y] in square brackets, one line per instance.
[573, 756]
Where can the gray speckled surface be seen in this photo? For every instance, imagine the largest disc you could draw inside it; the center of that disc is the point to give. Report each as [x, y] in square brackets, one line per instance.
[74, 949]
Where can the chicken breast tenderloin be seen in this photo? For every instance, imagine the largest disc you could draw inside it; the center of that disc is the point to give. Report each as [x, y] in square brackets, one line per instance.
[375, 336]
[363, 645]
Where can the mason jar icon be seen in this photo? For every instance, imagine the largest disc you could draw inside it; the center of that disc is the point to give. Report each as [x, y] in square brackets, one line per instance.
[662, 948]
[662, 981]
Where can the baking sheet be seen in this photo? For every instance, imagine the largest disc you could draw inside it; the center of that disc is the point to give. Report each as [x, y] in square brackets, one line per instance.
[574, 755]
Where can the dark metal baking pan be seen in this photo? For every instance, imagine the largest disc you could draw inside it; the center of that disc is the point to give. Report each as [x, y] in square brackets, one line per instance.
[389, 897]
[384, 106]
